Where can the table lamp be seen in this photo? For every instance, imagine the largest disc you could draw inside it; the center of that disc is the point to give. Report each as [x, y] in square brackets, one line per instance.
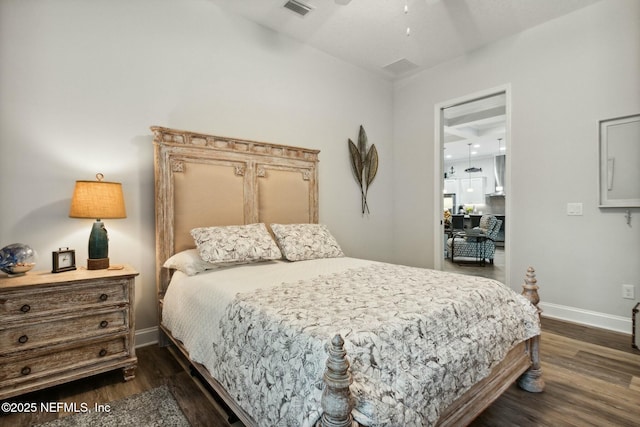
[98, 200]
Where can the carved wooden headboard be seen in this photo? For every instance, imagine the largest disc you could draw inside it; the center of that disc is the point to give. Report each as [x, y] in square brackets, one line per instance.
[206, 180]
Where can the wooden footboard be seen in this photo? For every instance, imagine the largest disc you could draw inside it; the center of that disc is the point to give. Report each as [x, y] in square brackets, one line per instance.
[522, 363]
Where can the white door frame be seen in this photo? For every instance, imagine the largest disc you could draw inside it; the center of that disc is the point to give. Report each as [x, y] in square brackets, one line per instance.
[439, 172]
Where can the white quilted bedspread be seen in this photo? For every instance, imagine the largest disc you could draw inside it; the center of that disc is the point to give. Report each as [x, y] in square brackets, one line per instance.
[416, 338]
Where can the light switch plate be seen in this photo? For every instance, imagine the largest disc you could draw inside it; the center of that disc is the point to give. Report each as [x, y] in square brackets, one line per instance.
[574, 209]
[628, 292]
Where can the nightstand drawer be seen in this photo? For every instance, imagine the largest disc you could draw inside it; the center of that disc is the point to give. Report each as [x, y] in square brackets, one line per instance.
[31, 368]
[53, 299]
[28, 336]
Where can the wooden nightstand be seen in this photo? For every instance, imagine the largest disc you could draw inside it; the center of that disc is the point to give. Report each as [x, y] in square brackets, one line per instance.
[60, 327]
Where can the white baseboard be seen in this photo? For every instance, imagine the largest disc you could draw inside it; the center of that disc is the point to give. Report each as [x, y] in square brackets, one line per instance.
[587, 317]
[147, 336]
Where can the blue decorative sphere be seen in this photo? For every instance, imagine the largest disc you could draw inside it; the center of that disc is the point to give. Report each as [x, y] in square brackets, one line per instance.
[17, 258]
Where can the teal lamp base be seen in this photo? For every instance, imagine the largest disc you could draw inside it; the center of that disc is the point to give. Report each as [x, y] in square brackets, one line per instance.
[98, 247]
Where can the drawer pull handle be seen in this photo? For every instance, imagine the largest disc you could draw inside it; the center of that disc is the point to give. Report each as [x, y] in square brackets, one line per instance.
[104, 297]
[103, 352]
[25, 371]
[23, 339]
[25, 308]
[104, 324]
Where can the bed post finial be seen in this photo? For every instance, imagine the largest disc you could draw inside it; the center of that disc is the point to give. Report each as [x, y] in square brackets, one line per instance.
[530, 288]
[532, 380]
[337, 401]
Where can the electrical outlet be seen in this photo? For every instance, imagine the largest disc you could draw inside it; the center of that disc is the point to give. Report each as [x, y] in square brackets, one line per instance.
[628, 292]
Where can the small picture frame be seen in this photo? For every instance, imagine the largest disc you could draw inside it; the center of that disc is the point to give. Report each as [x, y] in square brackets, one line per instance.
[64, 259]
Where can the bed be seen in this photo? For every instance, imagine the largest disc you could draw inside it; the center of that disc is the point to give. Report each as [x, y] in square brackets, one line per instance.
[324, 339]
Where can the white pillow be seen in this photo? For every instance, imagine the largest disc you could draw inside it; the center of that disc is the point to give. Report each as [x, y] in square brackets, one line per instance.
[306, 241]
[235, 243]
[189, 262]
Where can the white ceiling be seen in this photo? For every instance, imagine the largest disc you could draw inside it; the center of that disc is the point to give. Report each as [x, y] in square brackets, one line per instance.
[481, 123]
[372, 33]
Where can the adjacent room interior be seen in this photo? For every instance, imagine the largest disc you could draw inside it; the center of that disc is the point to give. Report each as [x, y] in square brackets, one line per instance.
[474, 186]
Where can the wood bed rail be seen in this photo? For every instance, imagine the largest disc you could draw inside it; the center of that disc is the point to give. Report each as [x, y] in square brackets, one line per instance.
[337, 401]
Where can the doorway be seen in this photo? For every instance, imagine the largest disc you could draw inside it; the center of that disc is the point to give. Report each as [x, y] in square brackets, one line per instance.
[472, 142]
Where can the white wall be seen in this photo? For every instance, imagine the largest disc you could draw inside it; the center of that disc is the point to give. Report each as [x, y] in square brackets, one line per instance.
[81, 82]
[565, 75]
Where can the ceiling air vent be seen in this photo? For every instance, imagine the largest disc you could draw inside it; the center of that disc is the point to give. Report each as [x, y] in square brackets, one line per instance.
[401, 66]
[297, 7]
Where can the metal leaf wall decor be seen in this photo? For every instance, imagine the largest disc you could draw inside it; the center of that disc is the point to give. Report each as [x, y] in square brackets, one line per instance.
[365, 165]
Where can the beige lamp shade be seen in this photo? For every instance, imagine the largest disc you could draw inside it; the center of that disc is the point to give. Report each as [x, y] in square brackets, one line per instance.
[97, 200]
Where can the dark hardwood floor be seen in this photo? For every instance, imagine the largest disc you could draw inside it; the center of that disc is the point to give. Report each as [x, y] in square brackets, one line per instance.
[492, 271]
[592, 379]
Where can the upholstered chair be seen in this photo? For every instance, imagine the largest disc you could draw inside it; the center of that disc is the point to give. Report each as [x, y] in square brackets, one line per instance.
[481, 248]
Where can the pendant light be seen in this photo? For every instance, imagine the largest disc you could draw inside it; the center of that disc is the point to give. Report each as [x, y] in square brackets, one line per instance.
[469, 188]
[471, 168]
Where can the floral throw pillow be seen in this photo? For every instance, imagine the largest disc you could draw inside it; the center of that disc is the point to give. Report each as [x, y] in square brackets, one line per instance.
[306, 241]
[235, 243]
